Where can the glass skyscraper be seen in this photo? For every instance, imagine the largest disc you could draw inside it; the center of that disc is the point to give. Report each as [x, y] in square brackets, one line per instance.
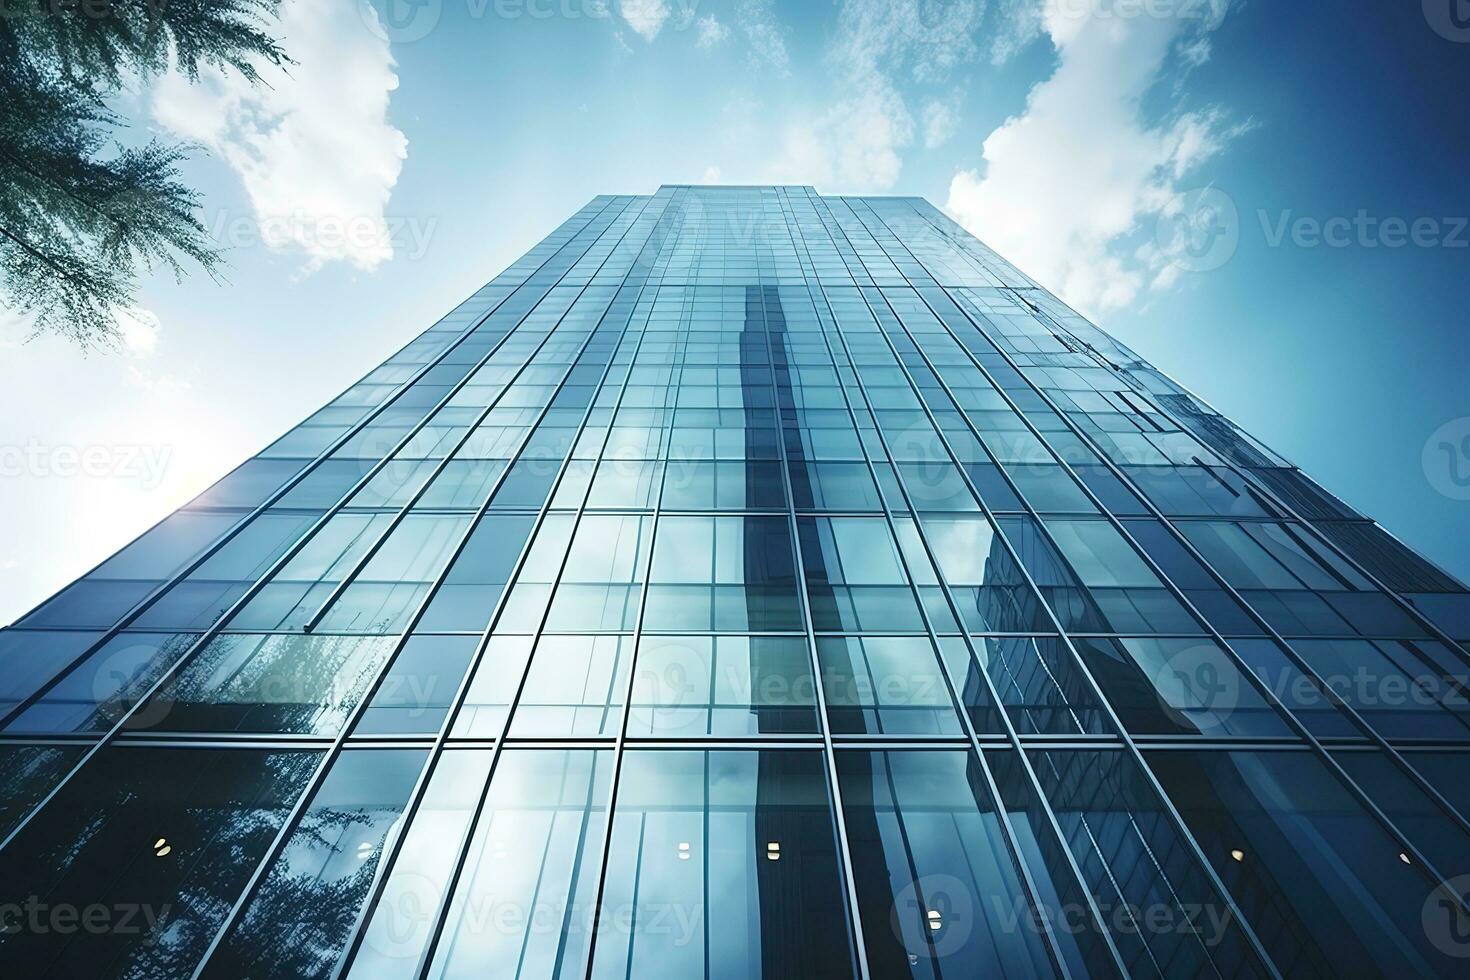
[746, 583]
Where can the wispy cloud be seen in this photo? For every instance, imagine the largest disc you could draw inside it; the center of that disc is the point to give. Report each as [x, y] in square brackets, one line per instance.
[854, 146]
[313, 147]
[709, 32]
[645, 17]
[1070, 186]
[882, 51]
[1013, 25]
[941, 121]
[756, 20]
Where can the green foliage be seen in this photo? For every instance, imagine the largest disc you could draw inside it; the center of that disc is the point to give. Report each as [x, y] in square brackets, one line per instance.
[81, 214]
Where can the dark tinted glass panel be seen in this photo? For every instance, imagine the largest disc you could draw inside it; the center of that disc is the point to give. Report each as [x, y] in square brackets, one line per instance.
[129, 871]
[97, 693]
[1166, 917]
[30, 659]
[254, 683]
[27, 774]
[1326, 886]
[1077, 926]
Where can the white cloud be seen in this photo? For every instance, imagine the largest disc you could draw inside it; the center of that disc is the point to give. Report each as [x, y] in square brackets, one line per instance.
[885, 53]
[855, 146]
[313, 146]
[709, 32]
[941, 121]
[646, 17]
[1072, 184]
[712, 175]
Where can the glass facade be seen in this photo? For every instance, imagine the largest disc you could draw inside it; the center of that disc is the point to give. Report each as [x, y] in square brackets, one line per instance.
[746, 583]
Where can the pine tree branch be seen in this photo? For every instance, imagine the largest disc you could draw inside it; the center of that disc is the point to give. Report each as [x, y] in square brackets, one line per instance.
[48, 260]
[79, 223]
[64, 189]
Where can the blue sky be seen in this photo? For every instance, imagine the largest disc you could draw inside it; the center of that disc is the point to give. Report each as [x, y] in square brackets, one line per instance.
[1265, 199]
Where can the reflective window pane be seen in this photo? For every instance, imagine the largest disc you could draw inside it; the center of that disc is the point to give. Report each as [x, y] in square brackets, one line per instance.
[158, 843]
[938, 886]
[723, 864]
[300, 919]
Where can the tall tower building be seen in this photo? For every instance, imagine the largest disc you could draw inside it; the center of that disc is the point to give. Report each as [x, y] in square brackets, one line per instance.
[746, 583]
